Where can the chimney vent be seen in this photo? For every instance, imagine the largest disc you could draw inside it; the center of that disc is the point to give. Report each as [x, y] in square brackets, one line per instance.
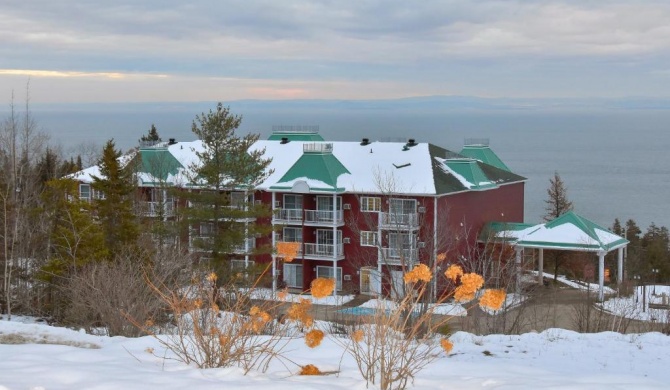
[411, 142]
[365, 141]
[172, 141]
[284, 140]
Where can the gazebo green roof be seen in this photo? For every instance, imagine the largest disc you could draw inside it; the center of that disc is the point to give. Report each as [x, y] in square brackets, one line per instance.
[318, 168]
[570, 231]
[484, 154]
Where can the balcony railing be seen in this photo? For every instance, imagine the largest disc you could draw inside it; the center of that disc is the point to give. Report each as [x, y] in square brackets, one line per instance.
[199, 243]
[288, 215]
[396, 256]
[156, 209]
[391, 221]
[250, 245]
[324, 251]
[324, 217]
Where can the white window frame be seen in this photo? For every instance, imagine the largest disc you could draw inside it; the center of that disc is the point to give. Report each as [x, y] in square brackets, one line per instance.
[369, 238]
[325, 203]
[328, 271]
[296, 203]
[295, 282]
[287, 238]
[367, 201]
[401, 206]
[81, 196]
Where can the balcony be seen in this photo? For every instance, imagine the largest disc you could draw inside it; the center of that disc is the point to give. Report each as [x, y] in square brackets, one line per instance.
[246, 247]
[324, 218]
[394, 256]
[323, 251]
[396, 221]
[156, 209]
[288, 216]
[199, 243]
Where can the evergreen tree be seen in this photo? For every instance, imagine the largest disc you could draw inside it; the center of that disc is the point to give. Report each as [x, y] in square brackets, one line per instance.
[616, 227]
[114, 207]
[152, 136]
[226, 164]
[557, 202]
[75, 238]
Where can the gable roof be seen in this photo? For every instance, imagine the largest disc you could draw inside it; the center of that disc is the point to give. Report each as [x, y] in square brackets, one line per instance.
[317, 167]
[157, 165]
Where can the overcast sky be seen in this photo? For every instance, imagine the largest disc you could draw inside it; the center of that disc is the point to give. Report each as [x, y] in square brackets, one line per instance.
[166, 50]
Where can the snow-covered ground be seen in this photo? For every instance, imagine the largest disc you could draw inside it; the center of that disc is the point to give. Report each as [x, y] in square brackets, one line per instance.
[53, 358]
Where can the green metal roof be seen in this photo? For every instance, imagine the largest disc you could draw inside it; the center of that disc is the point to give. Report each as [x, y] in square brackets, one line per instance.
[470, 170]
[322, 167]
[484, 154]
[296, 137]
[446, 182]
[158, 162]
[567, 232]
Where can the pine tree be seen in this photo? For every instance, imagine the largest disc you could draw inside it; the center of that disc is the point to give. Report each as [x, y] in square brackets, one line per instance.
[152, 136]
[114, 207]
[557, 202]
[226, 164]
[75, 238]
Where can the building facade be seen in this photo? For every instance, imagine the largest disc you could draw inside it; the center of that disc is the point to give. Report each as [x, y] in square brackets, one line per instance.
[362, 212]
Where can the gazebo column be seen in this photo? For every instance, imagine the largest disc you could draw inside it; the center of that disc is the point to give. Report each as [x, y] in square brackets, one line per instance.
[540, 267]
[517, 263]
[601, 275]
[619, 275]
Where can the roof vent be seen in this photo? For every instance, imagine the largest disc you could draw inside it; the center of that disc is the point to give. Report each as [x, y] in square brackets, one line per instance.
[411, 142]
[284, 140]
[365, 141]
[172, 141]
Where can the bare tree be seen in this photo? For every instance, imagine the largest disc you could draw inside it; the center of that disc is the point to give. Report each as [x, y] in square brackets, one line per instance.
[20, 144]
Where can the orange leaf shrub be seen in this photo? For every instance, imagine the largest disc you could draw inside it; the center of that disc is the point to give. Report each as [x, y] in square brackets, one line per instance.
[322, 287]
[453, 272]
[492, 299]
[419, 273]
[446, 345]
[313, 338]
[288, 250]
[470, 284]
[357, 335]
[299, 312]
[310, 369]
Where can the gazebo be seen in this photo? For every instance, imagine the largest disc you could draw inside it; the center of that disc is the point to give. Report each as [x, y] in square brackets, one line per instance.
[569, 232]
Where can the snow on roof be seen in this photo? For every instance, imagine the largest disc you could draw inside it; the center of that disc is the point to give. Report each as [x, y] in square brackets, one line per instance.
[569, 232]
[370, 166]
[377, 167]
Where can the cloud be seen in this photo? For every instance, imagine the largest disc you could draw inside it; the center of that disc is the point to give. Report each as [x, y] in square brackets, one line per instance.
[377, 42]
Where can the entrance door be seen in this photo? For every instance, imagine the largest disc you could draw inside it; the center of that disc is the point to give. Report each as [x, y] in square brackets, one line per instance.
[293, 275]
[371, 281]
